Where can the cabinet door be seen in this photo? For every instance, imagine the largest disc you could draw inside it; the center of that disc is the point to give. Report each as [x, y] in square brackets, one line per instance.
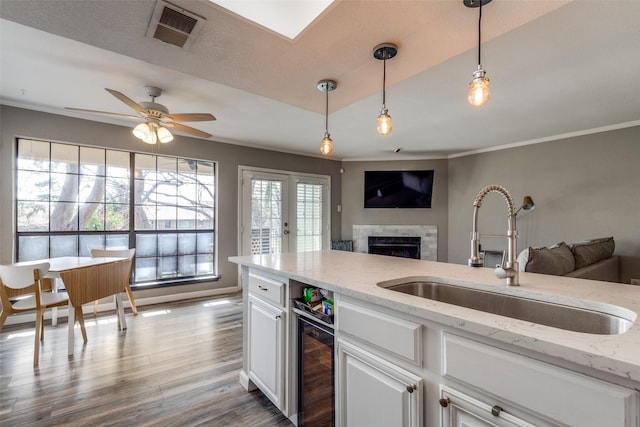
[266, 349]
[374, 392]
[461, 410]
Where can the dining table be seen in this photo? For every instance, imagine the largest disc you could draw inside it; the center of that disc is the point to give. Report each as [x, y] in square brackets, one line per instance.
[87, 279]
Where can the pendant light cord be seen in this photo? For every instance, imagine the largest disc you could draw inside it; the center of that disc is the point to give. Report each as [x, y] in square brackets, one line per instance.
[384, 79]
[479, 32]
[326, 110]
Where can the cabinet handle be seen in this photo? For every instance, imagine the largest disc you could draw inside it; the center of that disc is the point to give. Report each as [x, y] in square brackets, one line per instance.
[411, 388]
[262, 288]
[495, 411]
[444, 402]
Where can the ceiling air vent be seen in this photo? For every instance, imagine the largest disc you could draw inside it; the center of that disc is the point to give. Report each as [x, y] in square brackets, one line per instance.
[174, 25]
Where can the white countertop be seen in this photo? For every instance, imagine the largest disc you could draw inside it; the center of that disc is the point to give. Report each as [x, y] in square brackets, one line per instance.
[357, 275]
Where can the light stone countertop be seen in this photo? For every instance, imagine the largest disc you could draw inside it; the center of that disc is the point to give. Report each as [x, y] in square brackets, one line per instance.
[356, 274]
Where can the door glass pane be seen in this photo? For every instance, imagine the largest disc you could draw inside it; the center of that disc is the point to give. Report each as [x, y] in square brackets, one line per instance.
[309, 217]
[266, 216]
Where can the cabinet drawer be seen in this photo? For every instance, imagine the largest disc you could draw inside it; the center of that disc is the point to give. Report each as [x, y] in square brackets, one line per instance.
[267, 288]
[538, 386]
[397, 336]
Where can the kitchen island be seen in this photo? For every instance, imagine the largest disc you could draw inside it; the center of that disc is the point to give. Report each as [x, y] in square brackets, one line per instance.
[448, 348]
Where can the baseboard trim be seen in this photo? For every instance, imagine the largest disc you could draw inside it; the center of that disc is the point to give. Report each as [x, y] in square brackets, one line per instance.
[17, 319]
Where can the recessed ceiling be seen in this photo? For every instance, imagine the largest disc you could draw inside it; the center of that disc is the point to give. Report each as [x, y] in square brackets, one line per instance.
[286, 17]
[557, 68]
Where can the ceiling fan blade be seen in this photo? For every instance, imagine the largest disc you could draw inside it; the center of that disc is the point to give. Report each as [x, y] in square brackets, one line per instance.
[189, 130]
[127, 101]
[191, 117]
[130, 116]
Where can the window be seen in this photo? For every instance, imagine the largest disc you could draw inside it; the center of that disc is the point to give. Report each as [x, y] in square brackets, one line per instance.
[71, 199]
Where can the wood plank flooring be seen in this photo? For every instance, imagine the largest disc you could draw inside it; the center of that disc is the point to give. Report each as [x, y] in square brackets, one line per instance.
[176, 365]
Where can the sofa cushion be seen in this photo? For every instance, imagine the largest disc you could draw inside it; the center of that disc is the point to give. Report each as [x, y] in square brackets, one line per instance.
[557, 260]
[592, 251]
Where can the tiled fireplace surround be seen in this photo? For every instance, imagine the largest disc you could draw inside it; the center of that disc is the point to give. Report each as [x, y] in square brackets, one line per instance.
[428, 237]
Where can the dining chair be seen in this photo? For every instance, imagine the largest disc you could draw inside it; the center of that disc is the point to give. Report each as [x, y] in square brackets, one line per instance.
[117, 253]
[21, 291]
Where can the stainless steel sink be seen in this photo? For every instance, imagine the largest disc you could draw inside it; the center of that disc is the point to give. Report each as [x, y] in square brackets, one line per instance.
[545, 313]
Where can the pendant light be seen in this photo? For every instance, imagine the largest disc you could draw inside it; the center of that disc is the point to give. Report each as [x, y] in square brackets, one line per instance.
[383, 52]
[479, 91]
[326, 147]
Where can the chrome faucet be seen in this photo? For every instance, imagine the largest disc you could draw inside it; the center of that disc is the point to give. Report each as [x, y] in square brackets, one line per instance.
[510, 270]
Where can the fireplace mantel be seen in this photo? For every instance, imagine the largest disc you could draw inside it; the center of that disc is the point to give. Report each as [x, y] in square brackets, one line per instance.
[428, 237]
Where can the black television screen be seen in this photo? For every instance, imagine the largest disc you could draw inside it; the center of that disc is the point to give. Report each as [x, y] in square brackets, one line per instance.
[398, 189]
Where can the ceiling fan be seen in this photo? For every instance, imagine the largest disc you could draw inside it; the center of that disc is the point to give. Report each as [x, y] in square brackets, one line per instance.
[157, 118]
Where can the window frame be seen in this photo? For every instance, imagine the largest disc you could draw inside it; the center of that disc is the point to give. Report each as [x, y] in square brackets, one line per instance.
[130, 233]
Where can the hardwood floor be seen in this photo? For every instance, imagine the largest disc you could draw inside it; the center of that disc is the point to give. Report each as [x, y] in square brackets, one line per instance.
[176, 365]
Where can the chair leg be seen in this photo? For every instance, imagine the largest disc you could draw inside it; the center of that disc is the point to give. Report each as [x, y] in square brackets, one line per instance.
[36, 345]
[42, 327]
[95, 308]
[80, 318]
[3, 317]
[132, 302]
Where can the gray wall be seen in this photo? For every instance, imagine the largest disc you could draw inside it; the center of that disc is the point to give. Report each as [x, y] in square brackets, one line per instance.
[353, 211]
[584, 187]
[15, 122]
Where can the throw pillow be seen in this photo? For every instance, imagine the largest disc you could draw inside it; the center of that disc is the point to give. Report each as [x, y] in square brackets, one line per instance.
[592, 251]
[557, 260]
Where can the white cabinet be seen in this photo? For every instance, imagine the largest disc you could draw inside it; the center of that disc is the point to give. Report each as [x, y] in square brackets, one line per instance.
[266, 349]
[374, 351]
[536, 391]
[266, 332]
[374, 392]
[461, 410]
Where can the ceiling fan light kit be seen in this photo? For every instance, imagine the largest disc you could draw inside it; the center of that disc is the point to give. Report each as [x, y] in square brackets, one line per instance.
[157, 118]
[152, 133]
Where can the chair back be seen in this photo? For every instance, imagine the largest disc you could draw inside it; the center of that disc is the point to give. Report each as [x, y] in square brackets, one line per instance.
[114, 253]
[22, 276]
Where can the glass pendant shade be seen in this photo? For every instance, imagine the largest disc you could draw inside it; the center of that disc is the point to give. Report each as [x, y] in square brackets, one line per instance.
[326, 147]
[146, 133]
[384, 122]
[479, 92]
[164, 135]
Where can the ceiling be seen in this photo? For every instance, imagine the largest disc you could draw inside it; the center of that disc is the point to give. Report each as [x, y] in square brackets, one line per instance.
[557, 68]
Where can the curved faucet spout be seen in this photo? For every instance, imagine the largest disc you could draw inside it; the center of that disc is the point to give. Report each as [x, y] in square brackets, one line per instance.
[510, 270]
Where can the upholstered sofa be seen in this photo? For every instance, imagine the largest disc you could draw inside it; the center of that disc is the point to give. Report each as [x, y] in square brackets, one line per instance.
[590, 259]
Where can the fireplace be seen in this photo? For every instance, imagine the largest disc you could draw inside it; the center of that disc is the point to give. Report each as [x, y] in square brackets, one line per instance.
[398, 246]
[428, 235]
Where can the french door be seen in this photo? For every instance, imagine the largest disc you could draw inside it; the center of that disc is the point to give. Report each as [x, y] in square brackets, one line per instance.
[283, 212]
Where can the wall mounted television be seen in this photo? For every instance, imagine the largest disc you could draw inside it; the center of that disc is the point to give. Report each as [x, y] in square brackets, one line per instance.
[398, 189]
